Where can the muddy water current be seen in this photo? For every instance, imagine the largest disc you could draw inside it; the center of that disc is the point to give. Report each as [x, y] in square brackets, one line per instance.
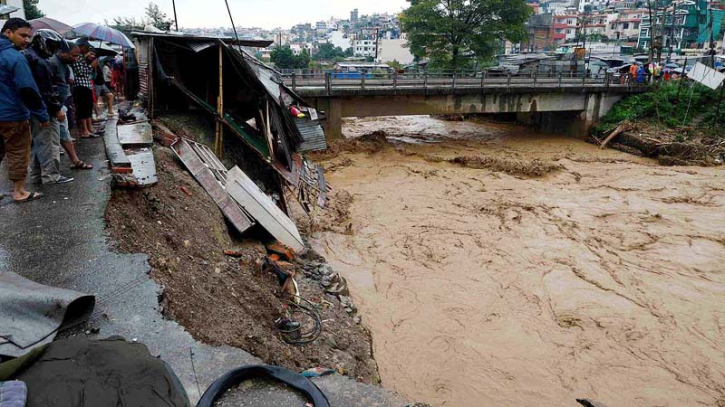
[604, 279]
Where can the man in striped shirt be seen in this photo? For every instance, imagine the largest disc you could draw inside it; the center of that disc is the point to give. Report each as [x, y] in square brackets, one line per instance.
[83, 89]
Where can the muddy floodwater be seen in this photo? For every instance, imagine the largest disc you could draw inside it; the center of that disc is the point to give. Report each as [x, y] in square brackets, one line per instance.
[603, 279]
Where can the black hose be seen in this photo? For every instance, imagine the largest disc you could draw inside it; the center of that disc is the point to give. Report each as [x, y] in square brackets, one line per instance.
[236, 376]
[307, 337]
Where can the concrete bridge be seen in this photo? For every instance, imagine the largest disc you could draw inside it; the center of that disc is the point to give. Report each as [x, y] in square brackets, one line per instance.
[562, 103]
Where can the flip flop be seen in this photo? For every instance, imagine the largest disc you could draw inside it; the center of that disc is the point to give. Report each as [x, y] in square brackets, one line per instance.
[32, 197]
[81, 165]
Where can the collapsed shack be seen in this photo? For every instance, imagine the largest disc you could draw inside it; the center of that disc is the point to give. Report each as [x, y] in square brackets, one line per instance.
[240, 135]
[254, 128]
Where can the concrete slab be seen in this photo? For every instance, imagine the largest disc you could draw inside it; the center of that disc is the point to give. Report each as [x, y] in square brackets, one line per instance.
[143, 165]
[140, 134]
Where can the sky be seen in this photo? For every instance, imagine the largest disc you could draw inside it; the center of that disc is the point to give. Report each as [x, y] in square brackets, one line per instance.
[267, 14]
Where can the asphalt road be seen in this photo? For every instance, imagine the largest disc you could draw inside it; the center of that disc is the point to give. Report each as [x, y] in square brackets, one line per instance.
[60, 241]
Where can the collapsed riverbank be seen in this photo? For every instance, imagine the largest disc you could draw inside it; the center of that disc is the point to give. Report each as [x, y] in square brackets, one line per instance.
[599, 279]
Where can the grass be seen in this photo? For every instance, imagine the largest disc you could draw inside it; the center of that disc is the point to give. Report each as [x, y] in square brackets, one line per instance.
[667, 106]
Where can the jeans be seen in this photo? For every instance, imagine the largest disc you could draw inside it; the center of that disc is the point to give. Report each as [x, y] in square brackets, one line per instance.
[45, 155]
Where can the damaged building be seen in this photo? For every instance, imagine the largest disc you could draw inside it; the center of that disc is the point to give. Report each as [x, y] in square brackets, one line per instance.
[252, 120]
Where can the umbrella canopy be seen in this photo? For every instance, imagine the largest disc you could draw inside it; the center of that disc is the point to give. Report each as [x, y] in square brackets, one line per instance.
[50, 24]
[103, 33]
[101, 50]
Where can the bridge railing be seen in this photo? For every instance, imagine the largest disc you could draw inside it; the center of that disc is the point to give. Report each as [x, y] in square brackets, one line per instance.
[453, 80]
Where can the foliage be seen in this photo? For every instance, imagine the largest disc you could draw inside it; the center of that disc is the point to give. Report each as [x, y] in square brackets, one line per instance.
[158, 18]
[328, 52]
[395, 65]
[285, 58]
[154, 16]
[452, 33]
[662, 106]
[31, 10]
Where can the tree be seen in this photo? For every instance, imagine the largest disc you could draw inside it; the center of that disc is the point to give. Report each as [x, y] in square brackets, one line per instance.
[454, 33]
[285, 58]
[31, 10]
[158, 18]
[154, 16]
[328, 51]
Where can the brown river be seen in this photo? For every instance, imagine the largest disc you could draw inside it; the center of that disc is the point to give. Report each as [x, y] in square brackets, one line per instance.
[604, 279]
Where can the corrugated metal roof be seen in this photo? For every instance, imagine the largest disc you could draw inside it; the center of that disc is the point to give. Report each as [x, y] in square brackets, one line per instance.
[312, 134]
[201, 45]
[6, 9]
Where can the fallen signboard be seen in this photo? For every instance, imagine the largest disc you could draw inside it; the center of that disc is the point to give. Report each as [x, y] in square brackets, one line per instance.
[707, 76]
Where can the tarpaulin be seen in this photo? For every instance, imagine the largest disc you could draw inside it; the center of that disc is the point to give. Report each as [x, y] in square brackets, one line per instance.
[31, 314]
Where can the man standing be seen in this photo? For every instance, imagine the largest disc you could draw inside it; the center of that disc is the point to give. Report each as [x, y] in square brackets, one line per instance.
[62, 76]
[19, 99]
[101, 87]
[83, 89]
[45, 158]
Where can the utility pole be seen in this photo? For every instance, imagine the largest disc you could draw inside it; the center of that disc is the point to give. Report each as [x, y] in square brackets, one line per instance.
[652, 26]
[176, 20]
[672, 31]
[377, 31]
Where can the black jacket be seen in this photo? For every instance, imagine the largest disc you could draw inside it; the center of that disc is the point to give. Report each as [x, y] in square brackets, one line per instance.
[44, 78]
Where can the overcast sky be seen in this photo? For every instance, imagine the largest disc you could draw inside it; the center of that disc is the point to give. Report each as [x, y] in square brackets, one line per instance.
[212, 13]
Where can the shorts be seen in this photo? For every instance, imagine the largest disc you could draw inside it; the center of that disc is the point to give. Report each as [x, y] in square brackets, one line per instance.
[15, 147]
[84, 102]
[64, 130]
[102, 90]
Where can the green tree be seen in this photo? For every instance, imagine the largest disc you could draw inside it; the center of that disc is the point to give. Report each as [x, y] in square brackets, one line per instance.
[454, 33]
[31, 10]
[285, 58]
[158, 18]
[328, 51]
[154, 16]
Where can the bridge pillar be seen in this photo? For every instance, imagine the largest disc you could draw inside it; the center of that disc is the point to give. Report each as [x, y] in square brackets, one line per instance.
[597, 105]
[333, 117]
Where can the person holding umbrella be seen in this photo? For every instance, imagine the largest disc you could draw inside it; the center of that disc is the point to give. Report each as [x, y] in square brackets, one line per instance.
[83, 89]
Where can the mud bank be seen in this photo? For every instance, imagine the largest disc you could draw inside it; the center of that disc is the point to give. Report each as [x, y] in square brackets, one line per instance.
[602, 280]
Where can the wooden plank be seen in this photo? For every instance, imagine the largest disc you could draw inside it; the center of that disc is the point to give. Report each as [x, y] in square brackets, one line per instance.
[204, 176]
[140, 134]
[263, 209]
[114, 151]
[144, 166]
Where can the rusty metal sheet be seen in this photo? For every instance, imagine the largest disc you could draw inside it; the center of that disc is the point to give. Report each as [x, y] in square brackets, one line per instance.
[211, 184]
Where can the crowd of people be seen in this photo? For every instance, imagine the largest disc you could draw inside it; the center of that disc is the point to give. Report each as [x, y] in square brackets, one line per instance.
[48, 86]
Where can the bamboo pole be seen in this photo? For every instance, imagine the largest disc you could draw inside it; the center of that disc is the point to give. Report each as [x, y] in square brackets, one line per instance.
[219, 141]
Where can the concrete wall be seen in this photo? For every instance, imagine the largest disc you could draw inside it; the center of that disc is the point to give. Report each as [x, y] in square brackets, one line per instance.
[394, 50]
[20, 13]
[567, 113]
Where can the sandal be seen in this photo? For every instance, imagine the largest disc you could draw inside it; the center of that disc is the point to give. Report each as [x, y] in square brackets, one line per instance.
[32, 197]
[81, 165]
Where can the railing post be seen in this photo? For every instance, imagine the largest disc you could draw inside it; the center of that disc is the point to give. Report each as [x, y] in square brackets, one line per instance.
[328, 83]
[294, 81]
[584, 78]
[536, 77]
[483, 78]
[561, 74]
[508, 81]
[362, 80]
[395, 81]
[425, 82]
[606, 80]
[454, 80]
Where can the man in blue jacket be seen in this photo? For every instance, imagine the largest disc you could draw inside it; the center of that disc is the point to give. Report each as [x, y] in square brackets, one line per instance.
[19, 99]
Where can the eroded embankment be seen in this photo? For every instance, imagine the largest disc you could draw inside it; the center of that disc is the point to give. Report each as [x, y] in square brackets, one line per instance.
[602, 279]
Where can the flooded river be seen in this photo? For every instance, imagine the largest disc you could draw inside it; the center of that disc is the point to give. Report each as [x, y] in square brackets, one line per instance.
[604, 279]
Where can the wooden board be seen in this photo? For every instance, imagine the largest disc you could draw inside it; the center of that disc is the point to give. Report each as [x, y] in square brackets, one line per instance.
[144, 166]
[139, 134]
[230, 208]
[263, 209]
